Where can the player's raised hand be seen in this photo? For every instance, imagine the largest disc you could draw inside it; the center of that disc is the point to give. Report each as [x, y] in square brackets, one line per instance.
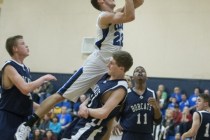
[152, 101]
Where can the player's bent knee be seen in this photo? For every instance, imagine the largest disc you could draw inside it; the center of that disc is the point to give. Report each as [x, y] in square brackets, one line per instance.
[57, 97]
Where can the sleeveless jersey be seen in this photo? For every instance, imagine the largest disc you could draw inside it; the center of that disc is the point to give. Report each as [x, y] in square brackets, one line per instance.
[12, 100]
[109, 40]
[92, 128]
[203, 131]
[138, 115]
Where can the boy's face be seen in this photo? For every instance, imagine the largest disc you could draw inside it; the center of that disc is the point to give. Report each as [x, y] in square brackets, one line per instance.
[140, 73]
[21, 48]
[113, 67]
[110, 3]
[200, 104]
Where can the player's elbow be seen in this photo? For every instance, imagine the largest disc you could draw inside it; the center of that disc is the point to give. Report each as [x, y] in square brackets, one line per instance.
[140, 2]
[193, 131]
[130, 18]
[103, 115]
[158, 121]
[25, 90]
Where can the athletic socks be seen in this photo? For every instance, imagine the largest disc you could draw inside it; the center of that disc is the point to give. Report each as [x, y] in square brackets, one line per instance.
[32, 120]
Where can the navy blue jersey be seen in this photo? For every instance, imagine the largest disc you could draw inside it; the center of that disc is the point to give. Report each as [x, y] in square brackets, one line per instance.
[138, 115]
[84, 129]
[204, 129]
[12, 100]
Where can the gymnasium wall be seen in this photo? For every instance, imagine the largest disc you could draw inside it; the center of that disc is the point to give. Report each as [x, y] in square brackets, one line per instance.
[187, 85]
[169, 38]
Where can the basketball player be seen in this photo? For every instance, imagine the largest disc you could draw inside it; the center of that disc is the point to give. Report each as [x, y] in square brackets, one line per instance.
[16, 102]
[141, 109]
[105, 101]
[201, 120]
[109, 40]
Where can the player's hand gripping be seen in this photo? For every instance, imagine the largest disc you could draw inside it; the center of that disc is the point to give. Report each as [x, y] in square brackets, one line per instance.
[83, 111]
[152, 101]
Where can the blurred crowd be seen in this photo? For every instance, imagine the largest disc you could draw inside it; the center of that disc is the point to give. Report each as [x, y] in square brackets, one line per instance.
[177, 109]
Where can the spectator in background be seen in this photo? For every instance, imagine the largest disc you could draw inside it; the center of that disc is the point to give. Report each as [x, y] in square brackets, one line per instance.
[49, 135]
[44, 123]
[55, 126]
[177, 136]
[64, 118]
[194, 96]
[192, 99]
[68, 104]
[206, 91]
[173, 103]
[164, 94]
[176, 94]
[128, 78]
[184, 102]
[159, 94]
[163, 97]
[168, 123]
[186, 121]
[37, 134]
[45, 91]
[177, 115]
[161, 102]
[56, 110]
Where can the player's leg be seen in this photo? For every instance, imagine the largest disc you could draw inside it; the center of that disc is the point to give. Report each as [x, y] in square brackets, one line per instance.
[48, 104]
[24, 129]
[6, 130]
[86, 77]
[9, 123]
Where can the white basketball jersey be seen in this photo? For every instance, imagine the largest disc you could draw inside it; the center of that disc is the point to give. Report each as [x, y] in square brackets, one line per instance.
[109, 40]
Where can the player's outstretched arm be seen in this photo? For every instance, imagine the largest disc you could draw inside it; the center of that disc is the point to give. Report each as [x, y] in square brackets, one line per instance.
[11, 75]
